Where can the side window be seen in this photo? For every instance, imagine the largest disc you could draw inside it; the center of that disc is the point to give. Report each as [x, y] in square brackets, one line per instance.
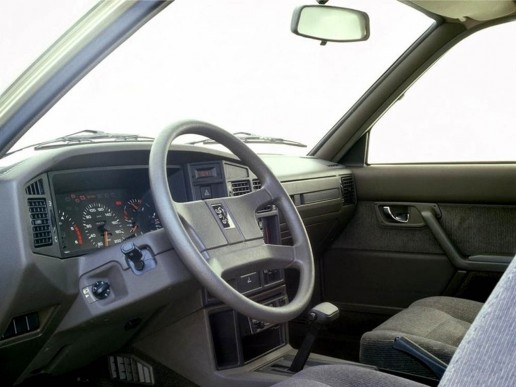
[462, 109]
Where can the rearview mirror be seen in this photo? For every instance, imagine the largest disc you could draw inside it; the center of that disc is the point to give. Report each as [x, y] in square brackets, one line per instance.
[330, 24]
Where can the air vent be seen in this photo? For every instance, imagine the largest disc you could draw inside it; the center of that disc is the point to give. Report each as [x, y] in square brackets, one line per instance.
[240, 187]
[35, 188]
[20, 325]
[40, 222]
[257, 184]
[347, 187]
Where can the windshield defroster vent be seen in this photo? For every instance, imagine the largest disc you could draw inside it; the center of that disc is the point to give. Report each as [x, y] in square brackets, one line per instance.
[347, 187]
[40, 222]
[240, 187]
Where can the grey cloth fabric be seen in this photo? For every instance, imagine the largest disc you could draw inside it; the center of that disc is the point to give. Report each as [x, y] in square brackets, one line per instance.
[437, 324]
[487, 354]
[344, 376]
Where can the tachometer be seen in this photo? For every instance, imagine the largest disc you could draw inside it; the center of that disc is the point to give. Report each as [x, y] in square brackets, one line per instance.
[131, 209]
[102, 227]
[147, 217]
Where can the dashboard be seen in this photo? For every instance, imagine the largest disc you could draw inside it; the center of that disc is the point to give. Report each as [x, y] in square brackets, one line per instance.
[71, 210]
[96, 207]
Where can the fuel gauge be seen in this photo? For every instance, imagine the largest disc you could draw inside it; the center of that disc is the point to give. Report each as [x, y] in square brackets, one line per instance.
[71, 234]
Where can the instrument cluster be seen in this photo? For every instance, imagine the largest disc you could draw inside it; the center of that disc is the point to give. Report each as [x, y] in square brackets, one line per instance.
[101, 207]
[96, 219]
[104, 206]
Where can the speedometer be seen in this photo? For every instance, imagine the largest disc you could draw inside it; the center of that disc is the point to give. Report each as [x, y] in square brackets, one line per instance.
[102, 227]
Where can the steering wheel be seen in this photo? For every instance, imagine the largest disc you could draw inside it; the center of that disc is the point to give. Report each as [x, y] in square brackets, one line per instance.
[220, 237]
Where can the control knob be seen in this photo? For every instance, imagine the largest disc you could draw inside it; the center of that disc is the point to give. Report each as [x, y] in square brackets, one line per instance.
[101, 289]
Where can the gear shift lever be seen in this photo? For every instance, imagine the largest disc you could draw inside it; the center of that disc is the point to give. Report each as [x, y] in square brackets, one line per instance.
[319, 316]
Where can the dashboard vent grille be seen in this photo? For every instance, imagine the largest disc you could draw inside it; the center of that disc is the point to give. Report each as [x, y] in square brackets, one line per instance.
[40, 222]
[20, 325]
[35, 188]
[347, 187]
[257, 184]
[240, 187]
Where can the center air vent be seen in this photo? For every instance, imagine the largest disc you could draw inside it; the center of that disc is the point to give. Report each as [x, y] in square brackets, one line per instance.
[40, 222]
[257, 184]
[347, 187]
[240, 187]
[20, 325]
[35, 188]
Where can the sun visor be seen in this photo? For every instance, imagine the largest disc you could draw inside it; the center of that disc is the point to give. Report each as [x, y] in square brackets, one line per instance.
[480, 10]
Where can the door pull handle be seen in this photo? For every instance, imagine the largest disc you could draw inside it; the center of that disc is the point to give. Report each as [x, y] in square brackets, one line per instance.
[398, 217]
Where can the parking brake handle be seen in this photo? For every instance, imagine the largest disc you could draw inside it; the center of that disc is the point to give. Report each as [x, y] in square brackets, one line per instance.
[436, 365]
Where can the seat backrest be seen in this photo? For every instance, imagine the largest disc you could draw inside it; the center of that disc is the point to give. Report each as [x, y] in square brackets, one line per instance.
[487, 354]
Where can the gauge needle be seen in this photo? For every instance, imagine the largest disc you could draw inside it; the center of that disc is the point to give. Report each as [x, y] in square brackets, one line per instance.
[105, 237]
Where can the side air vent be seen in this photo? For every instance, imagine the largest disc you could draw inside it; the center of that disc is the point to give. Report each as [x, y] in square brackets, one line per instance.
[240, 187]
[257, 184]
[40, 222]
[20, 325]
[35, 188]
[347, 187]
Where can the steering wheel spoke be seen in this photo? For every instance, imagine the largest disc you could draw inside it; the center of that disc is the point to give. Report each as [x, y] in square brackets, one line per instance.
[247, 257]
[255, 200]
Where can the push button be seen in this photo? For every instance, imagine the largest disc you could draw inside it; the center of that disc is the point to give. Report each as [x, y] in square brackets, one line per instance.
[249, 282]
[206, 192]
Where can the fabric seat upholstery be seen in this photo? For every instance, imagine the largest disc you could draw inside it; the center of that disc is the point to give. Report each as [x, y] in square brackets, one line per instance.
[344, 376]
[437, 324]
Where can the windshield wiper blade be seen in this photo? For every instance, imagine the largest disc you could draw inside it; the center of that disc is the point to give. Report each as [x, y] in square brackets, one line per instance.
[85, 136]
[88, 136]
[251, 138]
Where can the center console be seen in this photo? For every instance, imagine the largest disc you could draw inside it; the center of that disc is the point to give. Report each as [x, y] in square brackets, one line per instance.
[238, 339]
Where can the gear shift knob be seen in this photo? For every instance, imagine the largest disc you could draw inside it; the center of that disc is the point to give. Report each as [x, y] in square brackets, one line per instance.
[319, 316]
[323, 313]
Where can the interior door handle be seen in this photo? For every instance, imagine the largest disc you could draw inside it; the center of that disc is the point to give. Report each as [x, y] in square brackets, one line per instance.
[398, 217]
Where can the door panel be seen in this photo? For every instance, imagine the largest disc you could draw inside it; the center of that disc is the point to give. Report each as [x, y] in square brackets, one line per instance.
[376, 267]
[460, 237]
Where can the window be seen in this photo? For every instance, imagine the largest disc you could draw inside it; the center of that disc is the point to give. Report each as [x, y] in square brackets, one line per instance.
[460, 110]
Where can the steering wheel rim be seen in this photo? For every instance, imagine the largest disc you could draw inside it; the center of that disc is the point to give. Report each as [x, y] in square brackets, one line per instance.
[208, 257]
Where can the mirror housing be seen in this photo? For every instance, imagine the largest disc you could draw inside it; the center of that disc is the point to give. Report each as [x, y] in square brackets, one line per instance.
[330, 24]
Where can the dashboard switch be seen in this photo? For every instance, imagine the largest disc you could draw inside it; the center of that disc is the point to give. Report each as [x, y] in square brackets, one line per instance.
[134, 254]
[101, 289]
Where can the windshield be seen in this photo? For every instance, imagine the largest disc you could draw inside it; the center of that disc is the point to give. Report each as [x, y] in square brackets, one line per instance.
[234, 64]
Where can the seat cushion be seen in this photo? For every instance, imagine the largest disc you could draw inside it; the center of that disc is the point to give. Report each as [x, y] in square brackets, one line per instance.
[344, 376]
[437, 324]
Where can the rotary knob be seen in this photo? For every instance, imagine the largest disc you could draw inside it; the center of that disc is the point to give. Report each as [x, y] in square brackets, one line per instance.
[101, 289]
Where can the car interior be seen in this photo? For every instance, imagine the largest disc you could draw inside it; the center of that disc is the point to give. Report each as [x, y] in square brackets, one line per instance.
[136, 261]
